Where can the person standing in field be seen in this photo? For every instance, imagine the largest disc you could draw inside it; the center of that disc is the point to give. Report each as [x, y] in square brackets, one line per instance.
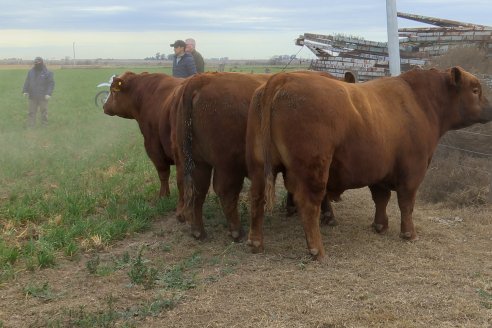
[38, 87]
[183, 62]
[191, 48]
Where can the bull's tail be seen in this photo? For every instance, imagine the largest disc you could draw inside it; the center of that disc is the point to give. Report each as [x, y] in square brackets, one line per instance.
[188, 94]
[265, 103]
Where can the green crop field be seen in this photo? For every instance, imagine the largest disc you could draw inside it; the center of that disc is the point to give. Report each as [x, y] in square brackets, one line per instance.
[75, 182]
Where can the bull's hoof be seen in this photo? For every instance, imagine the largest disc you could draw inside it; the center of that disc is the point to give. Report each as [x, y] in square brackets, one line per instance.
[316, 254]
[237, 235]
[199, 235]
[380, 228]
[328, 219]
[180, 217]
[408, 236]
[256, 246]
[290, 210]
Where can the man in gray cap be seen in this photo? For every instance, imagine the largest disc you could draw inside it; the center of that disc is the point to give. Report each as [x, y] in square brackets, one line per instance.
[38, 87]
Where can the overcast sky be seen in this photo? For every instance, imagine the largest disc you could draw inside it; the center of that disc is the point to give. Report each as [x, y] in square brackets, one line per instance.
[236, 29]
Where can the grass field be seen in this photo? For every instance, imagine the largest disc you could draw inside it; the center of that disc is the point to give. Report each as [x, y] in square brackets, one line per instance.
[84, 241]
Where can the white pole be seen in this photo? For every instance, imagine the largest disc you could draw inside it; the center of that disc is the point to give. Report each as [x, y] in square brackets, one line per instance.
[393, 41]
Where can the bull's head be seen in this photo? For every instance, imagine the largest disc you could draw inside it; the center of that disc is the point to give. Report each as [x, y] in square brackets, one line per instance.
[471, 104]
[119, 101]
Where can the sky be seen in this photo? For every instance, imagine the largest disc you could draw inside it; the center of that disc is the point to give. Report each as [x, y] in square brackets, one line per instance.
[254, 29]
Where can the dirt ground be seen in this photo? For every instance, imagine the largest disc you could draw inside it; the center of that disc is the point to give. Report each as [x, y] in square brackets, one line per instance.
[368, 280]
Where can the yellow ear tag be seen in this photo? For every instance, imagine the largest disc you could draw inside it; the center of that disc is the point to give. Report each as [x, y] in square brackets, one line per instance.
[117, 89]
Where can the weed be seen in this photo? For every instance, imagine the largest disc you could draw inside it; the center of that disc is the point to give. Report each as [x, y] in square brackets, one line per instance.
[140, 273]
[9, 255]
[42, 292]
[92, 264]
[81, 318]
[71, 249]
[178, 277]
[6, 272]
[486, 298]
[165, 247]
[123, 261]
[45, 257]
[152, 308]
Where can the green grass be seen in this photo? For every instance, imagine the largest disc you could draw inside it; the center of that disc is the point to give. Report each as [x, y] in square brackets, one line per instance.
[42, 292]
[85, 175]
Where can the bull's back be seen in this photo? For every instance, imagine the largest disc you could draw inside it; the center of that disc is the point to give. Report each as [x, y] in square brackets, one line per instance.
[344, 126]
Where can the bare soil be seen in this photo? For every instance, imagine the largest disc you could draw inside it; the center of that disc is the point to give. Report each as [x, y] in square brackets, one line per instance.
[368, 280]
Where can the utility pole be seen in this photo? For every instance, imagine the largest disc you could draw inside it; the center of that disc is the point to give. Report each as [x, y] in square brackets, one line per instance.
[393, 41]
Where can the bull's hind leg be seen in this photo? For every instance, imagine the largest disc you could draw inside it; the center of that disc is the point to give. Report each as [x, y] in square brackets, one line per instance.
[228, 185]
[309, 192]
[164, 172]
[201, 182]
[406, 202]
[257, 208]
[290, 207]
[309, 205]
[327, 215]
[381, 197]
[181, 204]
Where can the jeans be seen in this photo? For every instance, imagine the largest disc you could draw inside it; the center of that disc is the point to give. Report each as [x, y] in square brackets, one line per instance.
[34, 104]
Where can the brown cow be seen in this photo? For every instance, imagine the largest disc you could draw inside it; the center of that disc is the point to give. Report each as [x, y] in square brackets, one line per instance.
[211, 129]
[149, 99]
[211, 134]
[255, 162]
[332, 136]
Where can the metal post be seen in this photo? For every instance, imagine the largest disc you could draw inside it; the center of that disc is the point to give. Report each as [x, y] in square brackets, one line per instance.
[393, 41]
[490, 188]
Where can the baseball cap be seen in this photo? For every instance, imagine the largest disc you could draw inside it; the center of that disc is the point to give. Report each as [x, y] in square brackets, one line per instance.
[178, 43]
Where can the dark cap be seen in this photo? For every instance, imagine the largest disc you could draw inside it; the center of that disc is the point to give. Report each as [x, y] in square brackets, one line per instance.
[178, 43]
[38, 60]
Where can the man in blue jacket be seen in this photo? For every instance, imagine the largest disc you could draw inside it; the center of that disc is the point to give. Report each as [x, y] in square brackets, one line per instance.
[183, 62]
[38, 87]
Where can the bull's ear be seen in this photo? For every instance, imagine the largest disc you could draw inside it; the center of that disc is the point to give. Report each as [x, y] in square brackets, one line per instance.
[456, 76]
[117, 84]
[350, 77]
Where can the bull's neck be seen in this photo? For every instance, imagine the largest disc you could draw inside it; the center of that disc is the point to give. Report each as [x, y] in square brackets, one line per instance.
[431, 93]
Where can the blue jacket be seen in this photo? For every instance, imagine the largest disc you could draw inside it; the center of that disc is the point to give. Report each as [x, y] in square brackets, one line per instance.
[39, 83]
[185, 67]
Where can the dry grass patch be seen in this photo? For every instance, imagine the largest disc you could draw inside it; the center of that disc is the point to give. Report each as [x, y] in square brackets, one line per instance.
[368, 280]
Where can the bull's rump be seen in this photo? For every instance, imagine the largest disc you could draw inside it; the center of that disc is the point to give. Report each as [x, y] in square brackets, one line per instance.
[220, 109]
[365, 133]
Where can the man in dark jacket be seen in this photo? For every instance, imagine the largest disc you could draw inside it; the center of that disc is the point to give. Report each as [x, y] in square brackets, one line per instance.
[183, 62]
[38, 87]
[191, 48]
